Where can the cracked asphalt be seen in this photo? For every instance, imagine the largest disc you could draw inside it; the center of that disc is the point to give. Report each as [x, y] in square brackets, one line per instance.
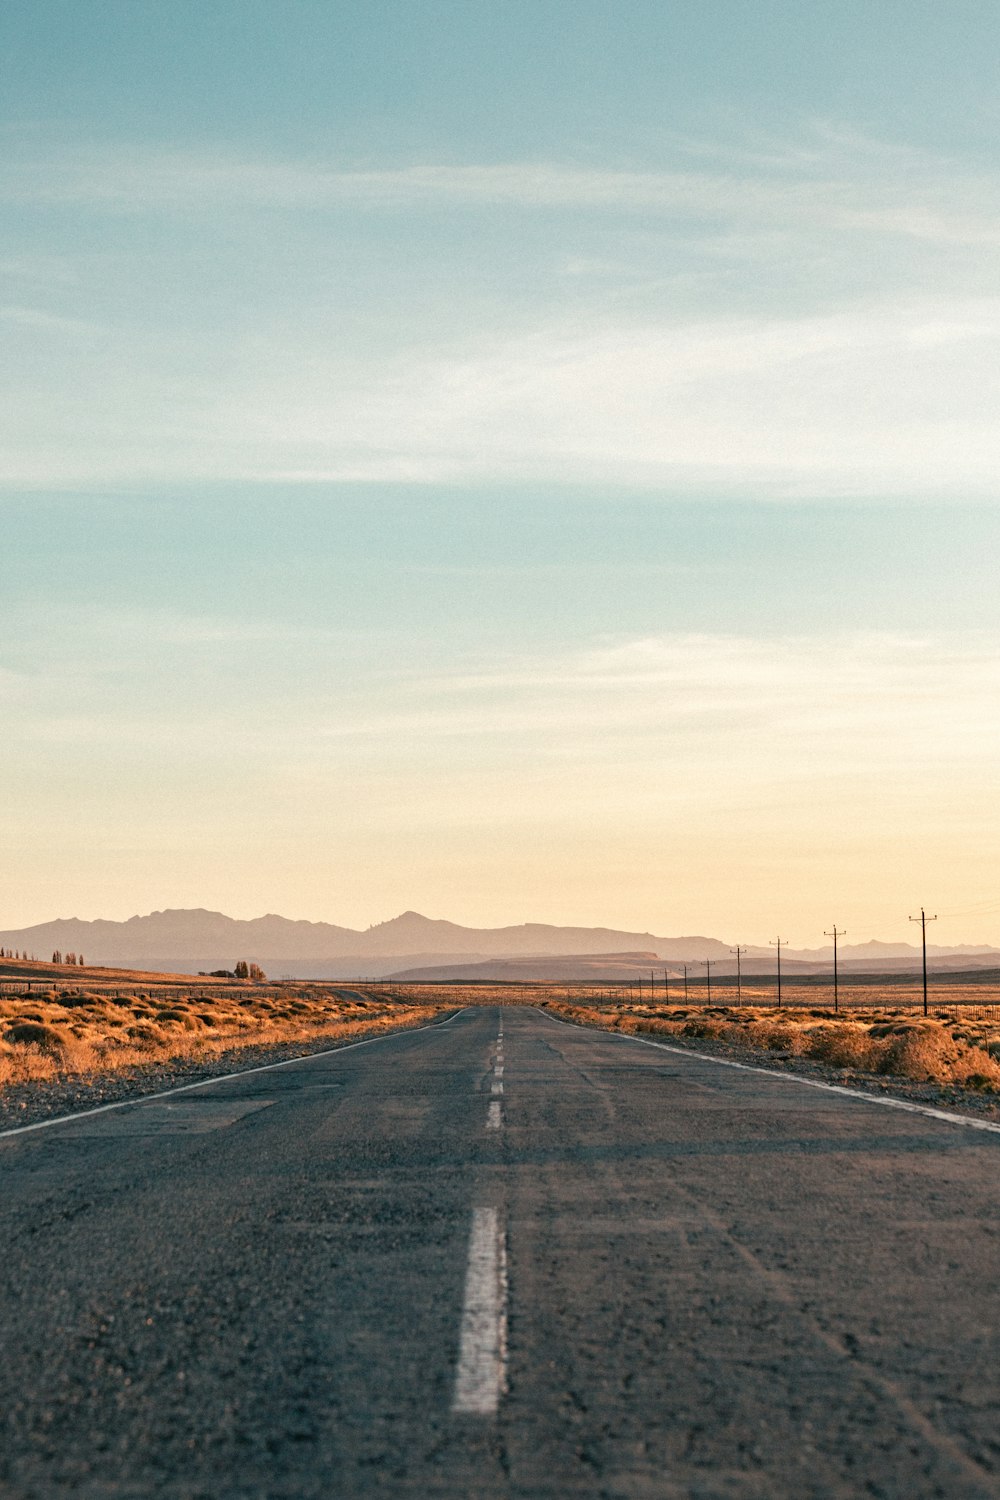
[721, 1284]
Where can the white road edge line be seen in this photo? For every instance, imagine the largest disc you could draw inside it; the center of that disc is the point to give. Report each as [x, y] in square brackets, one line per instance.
[482, 1356]
[204, 1083]
[493, 1115]
[860, 1095]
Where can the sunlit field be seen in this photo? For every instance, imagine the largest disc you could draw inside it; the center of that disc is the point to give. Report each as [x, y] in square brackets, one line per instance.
[113, 1021]
[955, 1044]
[878, 1027]
[61, 1022]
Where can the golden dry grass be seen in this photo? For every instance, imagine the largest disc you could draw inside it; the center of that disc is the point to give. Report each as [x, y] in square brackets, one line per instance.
[945, 1047]
[72, 1033]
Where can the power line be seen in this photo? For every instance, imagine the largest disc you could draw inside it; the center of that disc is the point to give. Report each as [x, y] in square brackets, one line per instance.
[979, 909]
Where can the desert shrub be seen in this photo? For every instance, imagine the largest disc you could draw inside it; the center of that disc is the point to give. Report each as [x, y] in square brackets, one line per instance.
[799, 1040]
[146, 1033]
[706, 1028]
[918, 1052]
[974, 1068]
[35, 1034]
[775, 1036]
[657, 1026]
[178, 1017]
[844, 1046]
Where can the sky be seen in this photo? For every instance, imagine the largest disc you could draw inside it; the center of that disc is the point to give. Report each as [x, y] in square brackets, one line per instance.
[522, 461]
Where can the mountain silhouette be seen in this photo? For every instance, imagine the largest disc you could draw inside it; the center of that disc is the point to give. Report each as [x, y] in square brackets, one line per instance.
[187, 941]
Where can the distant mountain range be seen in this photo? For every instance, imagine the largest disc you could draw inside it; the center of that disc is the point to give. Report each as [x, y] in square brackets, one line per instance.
[186, 942]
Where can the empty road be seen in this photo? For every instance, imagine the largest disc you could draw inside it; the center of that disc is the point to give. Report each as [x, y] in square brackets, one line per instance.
[500, 1256]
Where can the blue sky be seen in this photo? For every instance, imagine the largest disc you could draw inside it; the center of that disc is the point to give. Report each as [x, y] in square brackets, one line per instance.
[526, 461]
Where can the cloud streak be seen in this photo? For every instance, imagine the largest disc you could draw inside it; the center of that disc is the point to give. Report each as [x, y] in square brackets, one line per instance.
[820, 323]
[865, 186]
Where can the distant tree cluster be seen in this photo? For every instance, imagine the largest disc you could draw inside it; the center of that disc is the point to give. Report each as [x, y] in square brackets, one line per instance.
[243, 970]
[71, 958]
[15, 953]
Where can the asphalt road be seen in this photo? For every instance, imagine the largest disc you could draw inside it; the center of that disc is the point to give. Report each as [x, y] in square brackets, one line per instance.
[593, 1268]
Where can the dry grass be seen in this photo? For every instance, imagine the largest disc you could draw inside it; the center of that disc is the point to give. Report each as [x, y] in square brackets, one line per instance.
[90, 1022]
[73, 1033]
[940, 1048]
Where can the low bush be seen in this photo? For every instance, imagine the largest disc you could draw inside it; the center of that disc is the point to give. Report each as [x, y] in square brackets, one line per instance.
[35, 1034]
[111, 1034]
[898, 1045]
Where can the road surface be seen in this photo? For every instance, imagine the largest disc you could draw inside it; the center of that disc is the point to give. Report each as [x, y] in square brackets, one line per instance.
[582, 1267]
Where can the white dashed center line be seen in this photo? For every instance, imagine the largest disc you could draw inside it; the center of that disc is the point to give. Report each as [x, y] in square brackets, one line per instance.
[482, 1355]
[494, 1119]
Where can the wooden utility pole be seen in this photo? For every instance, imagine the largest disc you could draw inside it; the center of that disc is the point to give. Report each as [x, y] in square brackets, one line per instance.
[923, 919]
[777, 944]
[835, 934]
[739, 973]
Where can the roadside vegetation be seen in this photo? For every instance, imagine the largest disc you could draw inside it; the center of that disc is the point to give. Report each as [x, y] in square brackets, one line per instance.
[79, 1032]
[946, 1047]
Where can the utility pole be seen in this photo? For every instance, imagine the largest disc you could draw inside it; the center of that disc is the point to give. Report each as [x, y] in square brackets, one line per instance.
[923, 919]
[777, 944]
[835, 934]
[739, 973]
[685, 984]
[708, 979]
[666, 989]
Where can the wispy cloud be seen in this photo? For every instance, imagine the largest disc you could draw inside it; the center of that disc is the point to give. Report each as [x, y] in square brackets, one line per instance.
[47, 322]
[765, 340]
[843, 182]
[892, 400]
[708, 710]
[884, 400]
[884, 697]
